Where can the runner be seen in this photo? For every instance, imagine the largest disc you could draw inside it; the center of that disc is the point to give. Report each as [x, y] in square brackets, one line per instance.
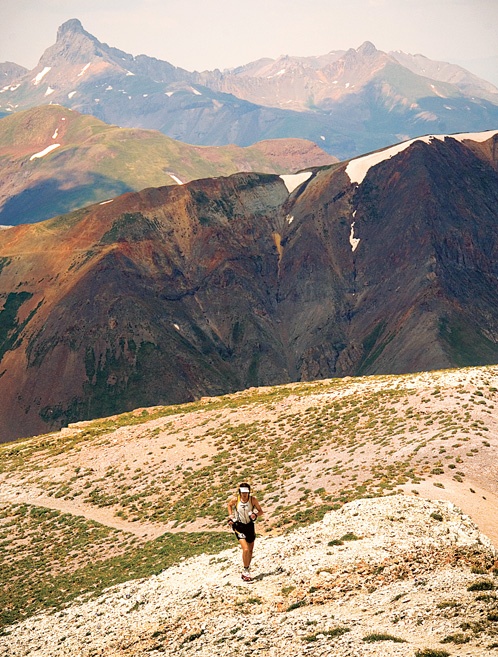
[242, 513]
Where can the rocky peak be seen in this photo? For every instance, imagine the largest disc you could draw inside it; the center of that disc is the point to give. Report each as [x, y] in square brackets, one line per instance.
[73, 46]
[367, 49]
[72, 26]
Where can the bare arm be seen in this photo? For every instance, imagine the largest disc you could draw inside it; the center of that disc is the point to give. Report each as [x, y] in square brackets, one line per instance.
[256, 504]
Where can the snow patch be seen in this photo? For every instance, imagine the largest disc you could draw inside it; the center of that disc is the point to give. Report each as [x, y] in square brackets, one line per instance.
[106, 202]
[54, 136]
[290, 219]
[357, 169]
[49, 91]
[322, 137]
[71, 94]
[85, 68]
[176, 179]
[276, 75]
[109, 88]
[169, 93]
[354, 241]
[295, 179]
[194, 91]
[38, 78]
[176, 326]
[129, 73]
[45, 151]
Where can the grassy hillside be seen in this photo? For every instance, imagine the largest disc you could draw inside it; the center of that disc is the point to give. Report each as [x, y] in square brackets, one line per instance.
[105, 501]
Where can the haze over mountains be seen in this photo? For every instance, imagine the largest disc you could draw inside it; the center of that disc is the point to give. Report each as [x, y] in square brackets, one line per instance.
[348, 102]
[385, 264]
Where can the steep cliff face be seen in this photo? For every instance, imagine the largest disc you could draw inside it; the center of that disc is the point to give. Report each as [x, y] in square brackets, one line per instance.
[173, 293]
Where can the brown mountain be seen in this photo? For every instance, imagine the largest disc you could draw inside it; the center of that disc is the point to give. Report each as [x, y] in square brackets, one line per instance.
[385, 264]
[54, 160]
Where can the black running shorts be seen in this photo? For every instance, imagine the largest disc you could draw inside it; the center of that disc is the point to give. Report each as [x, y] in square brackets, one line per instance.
[244, 531]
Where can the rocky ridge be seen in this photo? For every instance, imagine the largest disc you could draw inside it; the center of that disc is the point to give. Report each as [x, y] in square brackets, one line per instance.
[386, 576]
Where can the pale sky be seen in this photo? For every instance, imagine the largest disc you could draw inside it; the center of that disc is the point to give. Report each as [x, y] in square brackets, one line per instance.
[208, 34]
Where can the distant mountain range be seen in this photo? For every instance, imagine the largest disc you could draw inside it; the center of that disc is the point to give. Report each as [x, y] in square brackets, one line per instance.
[54, 160]
[383, 264]
[349, 102]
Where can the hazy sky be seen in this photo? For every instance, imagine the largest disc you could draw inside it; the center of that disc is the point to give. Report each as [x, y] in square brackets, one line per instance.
[207, 34]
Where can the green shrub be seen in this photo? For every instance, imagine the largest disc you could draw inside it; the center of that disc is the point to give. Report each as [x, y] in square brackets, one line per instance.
[458, 638]
[371, 638]
[482, 585]
[430, 652]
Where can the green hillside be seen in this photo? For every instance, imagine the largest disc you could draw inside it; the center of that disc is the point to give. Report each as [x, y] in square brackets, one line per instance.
[92, 161]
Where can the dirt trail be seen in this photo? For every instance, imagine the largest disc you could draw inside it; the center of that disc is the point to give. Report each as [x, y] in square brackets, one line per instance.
[147, 531]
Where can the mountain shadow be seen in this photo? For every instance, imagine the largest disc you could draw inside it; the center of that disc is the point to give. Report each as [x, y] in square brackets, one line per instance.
[49, 198]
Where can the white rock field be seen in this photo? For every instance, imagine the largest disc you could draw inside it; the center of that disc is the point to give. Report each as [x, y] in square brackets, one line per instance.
[385, 576]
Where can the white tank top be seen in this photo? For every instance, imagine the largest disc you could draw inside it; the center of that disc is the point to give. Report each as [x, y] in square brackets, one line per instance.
[244, 509]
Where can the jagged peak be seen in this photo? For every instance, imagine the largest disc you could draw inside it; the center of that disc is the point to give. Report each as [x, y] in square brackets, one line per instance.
[367, 48]
[71, 26]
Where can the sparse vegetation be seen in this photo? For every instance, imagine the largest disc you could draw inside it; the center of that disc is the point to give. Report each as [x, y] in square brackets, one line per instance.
[322, 427]
[335, 632]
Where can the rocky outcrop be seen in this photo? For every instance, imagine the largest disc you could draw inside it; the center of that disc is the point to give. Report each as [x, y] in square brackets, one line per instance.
[394, 575]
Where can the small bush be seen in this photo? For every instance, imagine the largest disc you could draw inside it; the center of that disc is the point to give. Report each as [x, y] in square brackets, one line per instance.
[350, 537]
[482, 585]
[456, 638]
[448, 604]
[335, 541]
[337, 631]
[429, 652]
[486, 597]
[436, 516]
[493, 617]
[296, 605]
[371, 638]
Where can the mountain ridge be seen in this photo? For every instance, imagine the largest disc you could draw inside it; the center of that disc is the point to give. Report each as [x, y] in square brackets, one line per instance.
[348, 102]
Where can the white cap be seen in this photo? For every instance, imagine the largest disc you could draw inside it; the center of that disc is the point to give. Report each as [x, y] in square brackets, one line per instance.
[244, 489]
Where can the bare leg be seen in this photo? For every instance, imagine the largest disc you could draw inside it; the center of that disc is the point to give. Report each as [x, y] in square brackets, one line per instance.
[246, 552]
